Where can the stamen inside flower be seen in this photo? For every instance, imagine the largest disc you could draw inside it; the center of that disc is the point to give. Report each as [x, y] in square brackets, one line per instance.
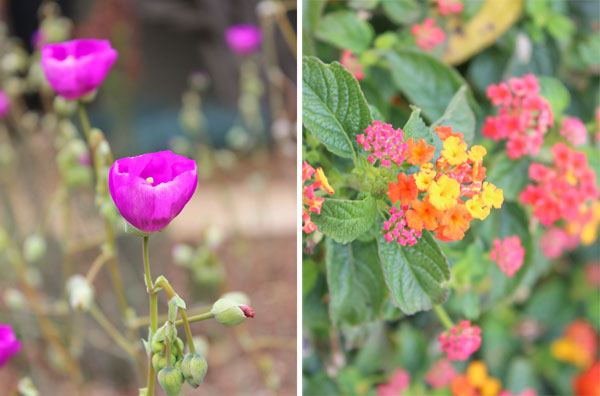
[150, 180]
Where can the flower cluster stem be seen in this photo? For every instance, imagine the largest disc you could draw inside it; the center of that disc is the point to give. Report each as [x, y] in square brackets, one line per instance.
[153, 315]
[443, 316]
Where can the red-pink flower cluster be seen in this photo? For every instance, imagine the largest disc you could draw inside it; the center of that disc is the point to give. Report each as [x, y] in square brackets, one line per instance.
[574, 131]
[526, 392]
[428, 35]
[396, 228]
[351, 63]
[384, 143]
[310, 201]
[523, 118]
[555, 241]
[450, 6]
[441, 374]
[508, 254]
[592, 274]
[460, 341]
[396, 384]
[563, 190]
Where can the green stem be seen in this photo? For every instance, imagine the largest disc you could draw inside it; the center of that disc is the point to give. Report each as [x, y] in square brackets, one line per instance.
[443, 316]
[85, 121]
[196, 318]
[168, 351]
[112, 330]
[153, 315]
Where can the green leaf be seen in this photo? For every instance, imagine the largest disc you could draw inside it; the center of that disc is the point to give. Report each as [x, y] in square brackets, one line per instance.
[555, 93]
[345, 220]
[311, 11]
[356, 286]
[508, 174]
[458, 115]
[345, 30]
[403, 12]
[310, 274]
[414, 274]
[425, 80]
[333, 107]
[415, 128]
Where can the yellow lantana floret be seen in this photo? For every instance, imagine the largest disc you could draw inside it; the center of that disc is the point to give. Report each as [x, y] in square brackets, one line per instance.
[477, 373]
[477, 153]
[425, 176]
[491, 387]
[477, 207]
[455, 150]
[444, 193]
[491, 195]
[320, 177]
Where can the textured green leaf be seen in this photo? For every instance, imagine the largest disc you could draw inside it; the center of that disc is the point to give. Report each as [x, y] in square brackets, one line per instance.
[414, 274]
[356, 285]
[345, 220]
[458, 115]
[345, 30]
[425, 80]
[415, 128]
[311, 11]
[333, 107]
[555, 93]
[403, 12]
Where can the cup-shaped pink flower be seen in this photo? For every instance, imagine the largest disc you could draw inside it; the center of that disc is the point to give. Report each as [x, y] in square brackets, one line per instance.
[77, 67]
[243, 39]
[151, 189]
[4, 104]
[9, 345]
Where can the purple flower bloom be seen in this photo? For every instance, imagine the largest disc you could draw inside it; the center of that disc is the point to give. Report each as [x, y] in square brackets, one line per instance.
[4, 104]
[243, 39]
[151, 189]
[77, 67]
[9, 345]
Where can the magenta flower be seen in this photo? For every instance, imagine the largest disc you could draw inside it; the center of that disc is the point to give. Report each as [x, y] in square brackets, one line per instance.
[4, 104]
[9, 345]
[151, 189]
[77, 67]
[243, 39]
[461, 341]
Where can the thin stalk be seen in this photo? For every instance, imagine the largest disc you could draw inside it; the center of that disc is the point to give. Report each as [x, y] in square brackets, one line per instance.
[443, 316]
[141, 321]
[184, 319]
[196, 318]
[153, 315]
[112, 330]
[96, 267]
[85, 121]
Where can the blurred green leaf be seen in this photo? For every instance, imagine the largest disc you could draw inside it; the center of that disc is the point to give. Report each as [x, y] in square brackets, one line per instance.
[345, 30]
[315, 313]
[458, 115]
[560, 27]
[333, 106]
[411, 347]
[414, 274]
[555, 93]
[310, 273]
[402, 12]
[520, 376]
[511, 175]
[344, 220]
[311, 12]
[356, 285]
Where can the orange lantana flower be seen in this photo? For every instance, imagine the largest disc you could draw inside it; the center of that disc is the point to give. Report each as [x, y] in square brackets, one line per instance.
[422, 215]
[446, 131]
[419, 153]
[453, 223]
[404, 191]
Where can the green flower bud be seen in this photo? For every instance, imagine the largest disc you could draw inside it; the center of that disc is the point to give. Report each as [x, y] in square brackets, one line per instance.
[81, 293]
[27, 388]
[63, 107]
[171, 380]
[14, 299]
[230, 312]
[34, 248]
[182, 254]
[159, 361]
[143, 392]
[201, 345]
[193, 368]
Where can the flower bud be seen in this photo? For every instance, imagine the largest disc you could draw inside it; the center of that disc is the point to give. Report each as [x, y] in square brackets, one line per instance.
[34, 248]
[182, 254]
[27, 388]
[193, 368]
[159, 361]
[229, 312]
[63, 107]
[171, 380]
[14, 299]
[81, 293]
[143, 392]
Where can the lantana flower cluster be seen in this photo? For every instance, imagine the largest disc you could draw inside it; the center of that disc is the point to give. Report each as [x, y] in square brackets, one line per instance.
[475, 381]
[523, 117]
[578, 345]
[310, 201]
[562, 191]
[397, 383]
[432, 198]
[572, 129]
[383, 143]
[460, 341]
[352, 64]
[441, 374]
[428, 35]
[450, 6]
[508, 254]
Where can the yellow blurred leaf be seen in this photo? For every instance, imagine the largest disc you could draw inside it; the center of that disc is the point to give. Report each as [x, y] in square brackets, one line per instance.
[493, 19]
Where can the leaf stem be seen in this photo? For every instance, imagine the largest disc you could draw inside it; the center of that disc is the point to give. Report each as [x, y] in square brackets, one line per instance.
[443, 316]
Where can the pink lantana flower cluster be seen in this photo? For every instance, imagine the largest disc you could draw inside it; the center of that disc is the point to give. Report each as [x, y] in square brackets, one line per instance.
[450, 6]
[441, 374]
[397, 383]
[563, 190]
[574, 131]
[508, 254]
[396, 228]
[523, 118]
[428, 35]
[352, 64]
[556, 241]
[460, 341]
[310, 201]
[383, 143]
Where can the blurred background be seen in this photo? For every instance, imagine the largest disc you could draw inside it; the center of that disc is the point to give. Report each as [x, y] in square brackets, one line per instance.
[176, 85]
